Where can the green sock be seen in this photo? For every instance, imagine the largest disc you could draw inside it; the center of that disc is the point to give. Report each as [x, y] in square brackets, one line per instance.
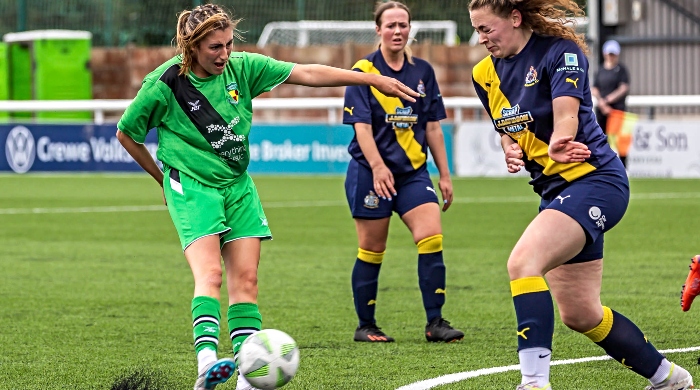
[206, 313]
[244, 319]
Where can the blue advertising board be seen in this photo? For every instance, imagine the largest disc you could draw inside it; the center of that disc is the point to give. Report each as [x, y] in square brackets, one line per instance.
[274, 149]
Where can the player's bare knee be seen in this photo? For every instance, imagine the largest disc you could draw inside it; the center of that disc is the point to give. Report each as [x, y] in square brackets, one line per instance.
[521, 267]
[579, 319]
[247, 280]
[213, 279]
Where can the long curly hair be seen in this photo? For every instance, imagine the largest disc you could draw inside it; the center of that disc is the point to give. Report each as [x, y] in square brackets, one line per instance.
[544, 17]
[194, 25]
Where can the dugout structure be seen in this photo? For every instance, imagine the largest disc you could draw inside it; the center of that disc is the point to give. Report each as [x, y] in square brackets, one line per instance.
[49, 65]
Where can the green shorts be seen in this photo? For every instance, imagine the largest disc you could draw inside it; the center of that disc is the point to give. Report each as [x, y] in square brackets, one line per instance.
[198, 210]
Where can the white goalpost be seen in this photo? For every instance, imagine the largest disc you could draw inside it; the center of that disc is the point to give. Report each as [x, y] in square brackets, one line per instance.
[333, 32]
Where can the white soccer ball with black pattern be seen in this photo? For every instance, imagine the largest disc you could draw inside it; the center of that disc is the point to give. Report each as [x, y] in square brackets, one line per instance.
[268, 359]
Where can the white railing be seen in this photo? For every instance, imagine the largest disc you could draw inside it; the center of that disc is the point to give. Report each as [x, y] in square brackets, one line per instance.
[332, 105]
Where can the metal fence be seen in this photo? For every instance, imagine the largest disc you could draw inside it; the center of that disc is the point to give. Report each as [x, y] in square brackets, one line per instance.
[152, 22]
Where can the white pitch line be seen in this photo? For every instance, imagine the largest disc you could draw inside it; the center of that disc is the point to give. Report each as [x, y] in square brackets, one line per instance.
[77, 210]
[317, 203]
[460, 376]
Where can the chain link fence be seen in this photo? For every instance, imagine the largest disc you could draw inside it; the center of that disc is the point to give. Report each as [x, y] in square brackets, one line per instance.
[152, 22]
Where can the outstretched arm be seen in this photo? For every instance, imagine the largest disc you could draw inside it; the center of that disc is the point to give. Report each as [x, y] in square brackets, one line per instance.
[314, 75]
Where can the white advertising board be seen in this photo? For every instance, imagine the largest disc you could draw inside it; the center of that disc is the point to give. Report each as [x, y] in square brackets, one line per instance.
[665, 149]
[658, 149]
[478, 152]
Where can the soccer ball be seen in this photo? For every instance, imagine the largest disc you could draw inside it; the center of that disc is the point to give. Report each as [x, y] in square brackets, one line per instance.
[268, 359]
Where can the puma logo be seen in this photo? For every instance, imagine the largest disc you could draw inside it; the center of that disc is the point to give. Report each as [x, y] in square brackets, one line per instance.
[349, 110]
[574, 82]
[522, 333]
[561, 200]
[441, 291]
[371, 302]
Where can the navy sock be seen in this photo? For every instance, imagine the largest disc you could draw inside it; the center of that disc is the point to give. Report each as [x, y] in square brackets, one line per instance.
[365, 283]
[534, 311]
[431, 275]
[625, 342]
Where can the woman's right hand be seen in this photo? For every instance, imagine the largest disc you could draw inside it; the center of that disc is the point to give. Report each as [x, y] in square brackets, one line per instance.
[514, 158]
[383, 181]
[392, 87]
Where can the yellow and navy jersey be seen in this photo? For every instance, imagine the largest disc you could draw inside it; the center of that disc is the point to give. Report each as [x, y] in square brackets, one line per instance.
[398, 126]
[517, 93]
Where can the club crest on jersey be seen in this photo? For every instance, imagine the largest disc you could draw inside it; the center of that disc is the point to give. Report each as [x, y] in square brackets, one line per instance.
[513, 122]
[371, 200]
[531, 77]
[403, 119]
[233, 93]
[421, 88]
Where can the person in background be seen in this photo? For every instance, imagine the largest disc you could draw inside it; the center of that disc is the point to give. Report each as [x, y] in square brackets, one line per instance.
[388, 173]
[610, 86]
[535, 88]
[200, 101]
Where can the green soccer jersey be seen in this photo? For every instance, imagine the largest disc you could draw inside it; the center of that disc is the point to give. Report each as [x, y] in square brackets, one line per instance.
[203, 123]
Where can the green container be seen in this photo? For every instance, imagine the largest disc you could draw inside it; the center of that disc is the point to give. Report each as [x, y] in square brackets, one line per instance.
[4, 79]
[50, 65]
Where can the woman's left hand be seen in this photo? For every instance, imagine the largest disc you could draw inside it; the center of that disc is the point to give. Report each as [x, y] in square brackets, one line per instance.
[394, 88]
[566, 150]
[445, 186]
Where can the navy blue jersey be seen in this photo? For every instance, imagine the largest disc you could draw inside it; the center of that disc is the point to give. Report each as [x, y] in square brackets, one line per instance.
[398, 126]
[517, 93]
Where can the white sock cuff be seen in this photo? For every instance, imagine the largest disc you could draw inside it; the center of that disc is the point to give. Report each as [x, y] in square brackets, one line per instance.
[662, 373]
[205, 357]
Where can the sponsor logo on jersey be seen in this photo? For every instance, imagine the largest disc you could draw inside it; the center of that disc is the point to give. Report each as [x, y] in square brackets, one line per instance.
[371, 200]
[233, 93]
[228, 134]
[20, 149]
[403, 119]
[421, 88]
[513, 122]
[570, 59]
[574, 82]
[348, 110]
[561, 199]
[531, 77]
[194, 106]
[597, 215]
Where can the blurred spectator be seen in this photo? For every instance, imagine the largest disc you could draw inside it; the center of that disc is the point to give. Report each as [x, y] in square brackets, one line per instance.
[610, 86]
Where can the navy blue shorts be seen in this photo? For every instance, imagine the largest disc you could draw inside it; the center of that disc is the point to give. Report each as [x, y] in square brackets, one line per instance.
[597, 202]
[413, 189]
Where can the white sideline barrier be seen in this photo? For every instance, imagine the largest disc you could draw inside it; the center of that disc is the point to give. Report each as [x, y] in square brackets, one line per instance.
[660, 148]
[332, 105]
